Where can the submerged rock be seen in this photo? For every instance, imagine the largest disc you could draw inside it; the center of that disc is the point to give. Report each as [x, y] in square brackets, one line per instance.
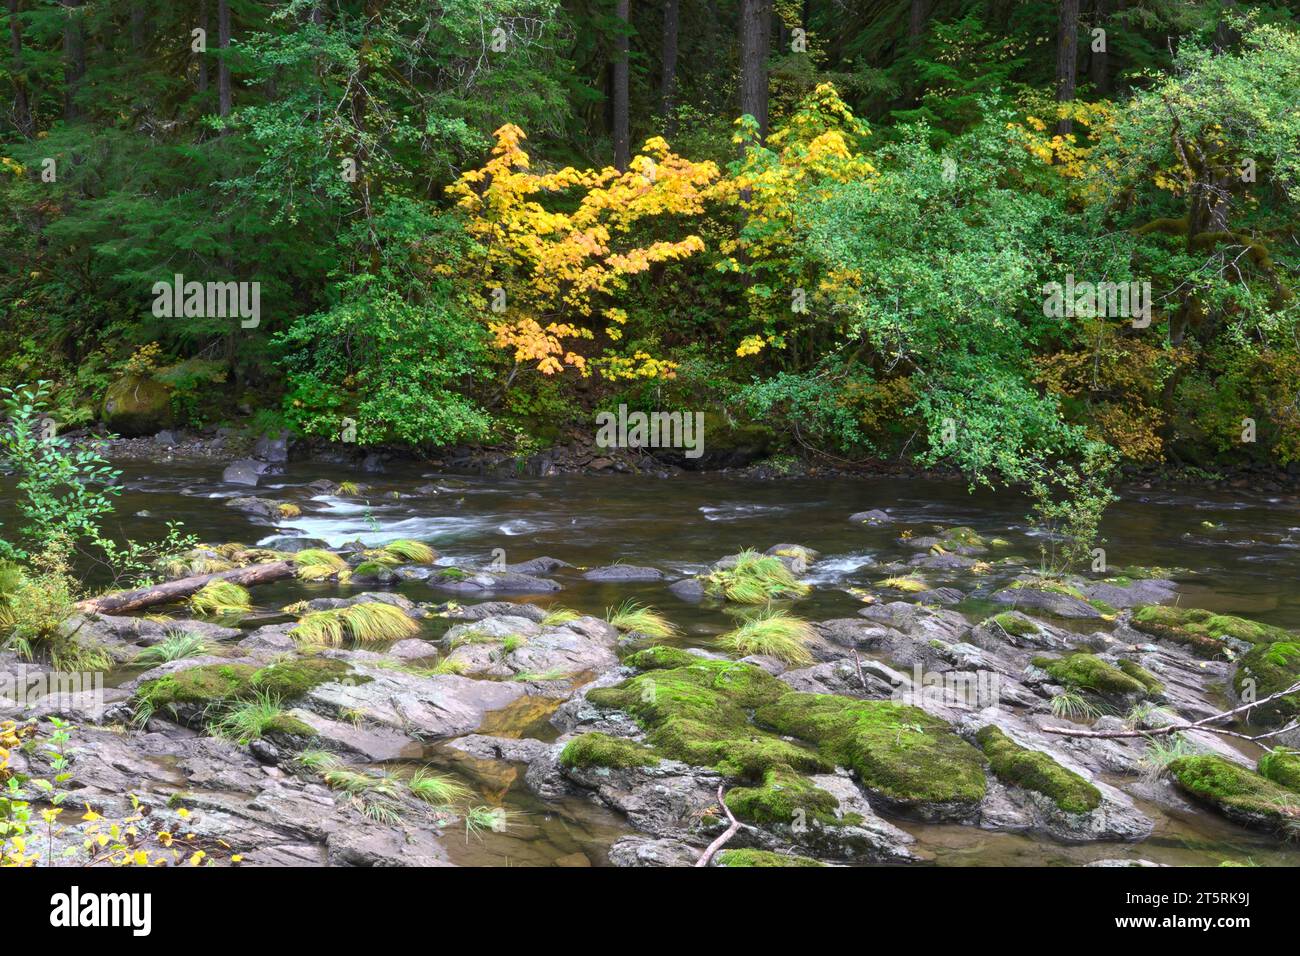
[623, 572]
[501, 582]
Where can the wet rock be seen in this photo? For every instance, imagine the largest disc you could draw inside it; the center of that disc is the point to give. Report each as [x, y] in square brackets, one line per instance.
[262, 507]
[441, 705]
[511, 749]
[268, 641]
[272, 448]
[290, 543]
[111, 629]
[873, 517]
[246, 471]
[623, 572]
[918, 622]
[1133, 594]
[500, 582]
[476, 612]
[1049, 602]
[667, 800]
[412, 649]
[688, 589]
[543, 565]
[372, 744]
[842, 677]
[83, 707]
[642, 851]
[378, 597]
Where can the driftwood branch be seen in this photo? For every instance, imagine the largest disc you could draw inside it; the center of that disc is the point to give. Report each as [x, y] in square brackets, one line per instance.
[727, 834]
[1202, 724]
[178, 590]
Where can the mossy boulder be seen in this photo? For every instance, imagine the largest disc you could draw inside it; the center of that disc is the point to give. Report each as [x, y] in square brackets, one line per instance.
[1087, 672]
[910, 759]
[738, 858]
[697, 711]
[1267, 669]
[1207, 634]
[783, 797]
[1239, 794]
[1033, 770]
[602, 750]
[1282, 767]
[137, 405]
[210, 684]
[1143, 676]
[1015, 624]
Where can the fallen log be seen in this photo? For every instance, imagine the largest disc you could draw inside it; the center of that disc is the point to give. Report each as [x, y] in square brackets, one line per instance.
[121, 601]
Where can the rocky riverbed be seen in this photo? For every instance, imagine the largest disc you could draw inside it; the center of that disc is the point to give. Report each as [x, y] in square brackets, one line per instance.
[521, 712]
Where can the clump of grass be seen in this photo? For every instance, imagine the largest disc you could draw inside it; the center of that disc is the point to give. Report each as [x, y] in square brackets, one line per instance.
[772, 633]
[317, 564]
[363, 623]
[1162, 751]
[349, 488]
[555, 673]
[176, 646]
[358, 782]
[631, 616]
[288, 510]
[221, 597]
[755, 579]
[1070, 704]
[198, 561]
[317, 761]
[513, 642]
[438, 789]
[410, 552]
[496, 819]
[250, 719]
[559, 615]
[449, 665]
[910, 584]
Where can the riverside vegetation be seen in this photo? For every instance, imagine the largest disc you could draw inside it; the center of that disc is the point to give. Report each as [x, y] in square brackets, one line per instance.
[831, 236]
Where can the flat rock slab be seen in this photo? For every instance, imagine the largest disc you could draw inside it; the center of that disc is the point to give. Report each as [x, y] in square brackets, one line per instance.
[442, 705]
[623, 572]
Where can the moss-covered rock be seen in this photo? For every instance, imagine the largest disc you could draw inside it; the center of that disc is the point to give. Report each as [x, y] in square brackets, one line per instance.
[1090, 673]
[904, 755]
[1238, 793]
[602, 750]
[1282, 767]
[137, 405]
[214, 683]
[783, 797]
[203, 685]
[762, 858]
[698, 712]
[1204, 631]
[1015, 624]
[1267, 669]
[1033, 770]
[1143, 676]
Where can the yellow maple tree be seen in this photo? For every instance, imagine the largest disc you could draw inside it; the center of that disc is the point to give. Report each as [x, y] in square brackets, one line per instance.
[550, 268]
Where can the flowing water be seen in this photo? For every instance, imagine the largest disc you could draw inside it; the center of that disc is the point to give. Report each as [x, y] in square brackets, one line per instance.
[1242, 551]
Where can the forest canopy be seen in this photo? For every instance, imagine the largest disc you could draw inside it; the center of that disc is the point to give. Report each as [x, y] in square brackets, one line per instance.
[1017, 237]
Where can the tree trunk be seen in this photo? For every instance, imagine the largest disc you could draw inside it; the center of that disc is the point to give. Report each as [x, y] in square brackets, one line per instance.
[755, 38]
[918, 15]
[123, 601]
[22, 106]
[668, 81]
[1067, 55]
[223, 66]
[1099, 62]
[203, 57]
[74, 56]
[622, 135]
